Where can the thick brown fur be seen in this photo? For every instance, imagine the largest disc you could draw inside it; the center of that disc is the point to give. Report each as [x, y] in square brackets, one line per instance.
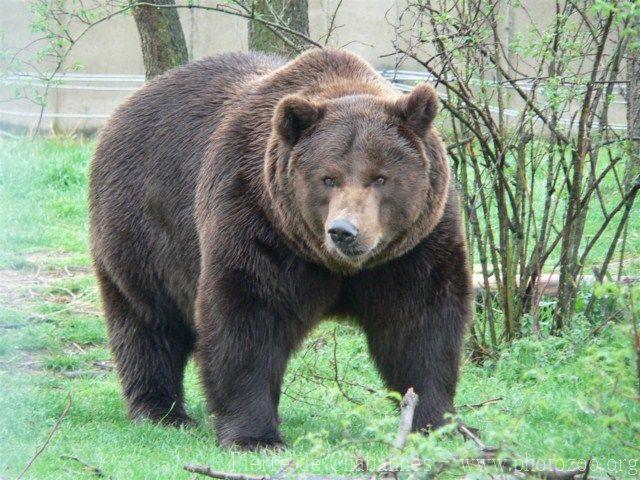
[211, 192]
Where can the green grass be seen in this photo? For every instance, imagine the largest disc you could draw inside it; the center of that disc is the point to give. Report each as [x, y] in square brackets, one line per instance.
[43, 199]
[563, 399]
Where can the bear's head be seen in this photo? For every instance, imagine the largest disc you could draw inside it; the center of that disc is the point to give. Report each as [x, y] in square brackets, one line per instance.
[358, 179]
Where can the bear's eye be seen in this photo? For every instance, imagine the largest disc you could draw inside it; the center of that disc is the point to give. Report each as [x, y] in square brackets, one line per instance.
[329, 181]
[379, 180]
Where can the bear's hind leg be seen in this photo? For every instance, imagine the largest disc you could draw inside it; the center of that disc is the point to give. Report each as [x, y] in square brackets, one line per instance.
[151, 346]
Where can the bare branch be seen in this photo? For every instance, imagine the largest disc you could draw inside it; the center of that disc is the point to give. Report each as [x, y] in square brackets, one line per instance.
[53, 430]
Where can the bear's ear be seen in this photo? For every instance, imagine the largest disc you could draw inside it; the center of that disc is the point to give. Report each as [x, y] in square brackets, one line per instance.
[293, 115]
[418, 108]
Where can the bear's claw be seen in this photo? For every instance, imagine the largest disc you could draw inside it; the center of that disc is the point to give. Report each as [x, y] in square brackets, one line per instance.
[173, 419]
[256, 444]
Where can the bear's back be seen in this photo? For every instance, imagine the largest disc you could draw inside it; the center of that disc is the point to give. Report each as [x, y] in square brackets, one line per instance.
[146, 163]
[167, 123]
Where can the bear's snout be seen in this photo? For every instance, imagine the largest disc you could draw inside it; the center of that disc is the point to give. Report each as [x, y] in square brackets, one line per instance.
[352, 226]
[343, 234]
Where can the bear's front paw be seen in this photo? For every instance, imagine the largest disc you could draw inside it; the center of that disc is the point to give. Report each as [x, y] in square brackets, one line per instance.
[173, 417]
[180, 421]
[257, 444]
[428, 420]
[246, 432]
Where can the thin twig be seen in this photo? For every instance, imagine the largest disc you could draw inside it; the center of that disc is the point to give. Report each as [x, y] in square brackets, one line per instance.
[332, 25]
[83, 374]
[55, 428]
[482, 404]
[335, 370]
[11, 326]
[87, 466]
[207, 472]
[488, 457]
[467, 433]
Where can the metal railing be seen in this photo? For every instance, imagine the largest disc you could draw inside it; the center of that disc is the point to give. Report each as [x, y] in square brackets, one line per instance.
[401, 79]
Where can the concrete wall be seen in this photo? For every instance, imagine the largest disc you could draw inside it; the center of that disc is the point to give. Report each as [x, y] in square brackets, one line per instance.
[111, 61]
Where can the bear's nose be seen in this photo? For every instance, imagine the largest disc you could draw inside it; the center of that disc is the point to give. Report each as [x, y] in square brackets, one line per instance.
[342, 232]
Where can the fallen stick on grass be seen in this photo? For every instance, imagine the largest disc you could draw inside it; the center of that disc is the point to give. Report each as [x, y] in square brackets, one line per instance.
[86, 466]
[83, 373]
[207, 472]
[13, 326]
[487, 458]
[481, 404]
[53, 430]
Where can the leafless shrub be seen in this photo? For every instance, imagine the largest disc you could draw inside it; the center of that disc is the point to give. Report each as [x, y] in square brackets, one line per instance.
[531, 140]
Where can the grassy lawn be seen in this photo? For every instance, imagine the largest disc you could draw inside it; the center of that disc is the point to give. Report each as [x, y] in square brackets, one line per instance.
[561, 400]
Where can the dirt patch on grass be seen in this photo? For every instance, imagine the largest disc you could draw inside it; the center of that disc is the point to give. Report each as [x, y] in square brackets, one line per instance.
[46, 257]
[42, 292]
[18, 286]
[28, 362]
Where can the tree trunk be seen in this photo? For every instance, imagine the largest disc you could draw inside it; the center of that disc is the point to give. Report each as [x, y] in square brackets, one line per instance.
[161, 38]
[293, 14]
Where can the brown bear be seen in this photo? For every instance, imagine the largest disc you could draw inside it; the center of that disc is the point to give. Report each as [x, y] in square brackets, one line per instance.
[237, 201]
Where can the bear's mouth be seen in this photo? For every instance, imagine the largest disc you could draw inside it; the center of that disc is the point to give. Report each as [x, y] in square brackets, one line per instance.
[354, 255]
[353, 251]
